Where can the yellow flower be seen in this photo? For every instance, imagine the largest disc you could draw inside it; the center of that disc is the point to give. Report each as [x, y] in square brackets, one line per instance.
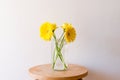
[65, 25]
[70, 33]
[46, 30]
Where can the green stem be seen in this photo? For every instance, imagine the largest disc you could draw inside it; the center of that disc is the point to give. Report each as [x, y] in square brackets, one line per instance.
[62, 59]
[58, 49]
[61, 36]
[61, 46]
[55, 55]
[54, 58]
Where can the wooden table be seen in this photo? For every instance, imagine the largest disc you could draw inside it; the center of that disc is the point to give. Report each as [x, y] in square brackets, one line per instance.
[44, 72]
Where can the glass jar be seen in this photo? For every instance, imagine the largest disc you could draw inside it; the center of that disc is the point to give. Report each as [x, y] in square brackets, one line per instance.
[58, 55]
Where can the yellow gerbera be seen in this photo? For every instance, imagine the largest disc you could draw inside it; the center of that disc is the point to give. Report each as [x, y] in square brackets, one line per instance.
[70, 33]
[46, 30]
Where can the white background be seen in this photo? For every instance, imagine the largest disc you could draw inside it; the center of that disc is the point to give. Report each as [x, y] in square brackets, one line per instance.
[97, 46]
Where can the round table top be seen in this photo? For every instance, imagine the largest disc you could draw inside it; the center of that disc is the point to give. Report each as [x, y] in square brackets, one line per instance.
[45, 72]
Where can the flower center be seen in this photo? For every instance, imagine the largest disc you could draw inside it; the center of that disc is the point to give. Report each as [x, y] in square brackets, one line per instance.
[47, 31]
[68, 34]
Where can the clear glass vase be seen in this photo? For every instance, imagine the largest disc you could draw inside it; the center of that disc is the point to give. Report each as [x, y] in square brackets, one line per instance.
[58, 55]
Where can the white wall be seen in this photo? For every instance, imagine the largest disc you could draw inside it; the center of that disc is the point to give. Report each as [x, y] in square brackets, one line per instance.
[97, 46]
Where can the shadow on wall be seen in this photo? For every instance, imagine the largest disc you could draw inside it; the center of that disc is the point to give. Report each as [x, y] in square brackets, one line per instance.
[93, 75]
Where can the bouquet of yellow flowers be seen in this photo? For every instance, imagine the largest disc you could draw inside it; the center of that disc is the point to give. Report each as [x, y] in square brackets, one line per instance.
[47, 32]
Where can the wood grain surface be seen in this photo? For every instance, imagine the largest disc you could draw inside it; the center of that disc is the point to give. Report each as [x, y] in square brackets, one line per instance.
[45, 72]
